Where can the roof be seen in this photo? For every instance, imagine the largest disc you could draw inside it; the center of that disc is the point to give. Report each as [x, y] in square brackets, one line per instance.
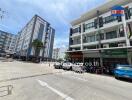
[103, 8]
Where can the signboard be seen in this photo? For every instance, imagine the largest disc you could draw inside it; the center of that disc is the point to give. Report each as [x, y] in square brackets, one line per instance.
[117, 11]
[115, 52]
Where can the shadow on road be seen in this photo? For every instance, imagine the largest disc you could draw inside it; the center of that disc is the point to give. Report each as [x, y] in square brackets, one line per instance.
[125, 80]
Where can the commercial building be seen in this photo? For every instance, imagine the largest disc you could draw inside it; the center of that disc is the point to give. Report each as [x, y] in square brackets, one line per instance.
[101, 39]
[36, 28]
[7, 43]
[56, 53]
[59, 53]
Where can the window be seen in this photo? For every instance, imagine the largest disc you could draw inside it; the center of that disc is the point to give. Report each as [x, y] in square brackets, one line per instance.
[111, 35]
[101, 36]
[113, 44]
[89, 47]
[89, 25]
[92, 38]
[130, 11]
[76, 30]
[84, 39]
[109, 19]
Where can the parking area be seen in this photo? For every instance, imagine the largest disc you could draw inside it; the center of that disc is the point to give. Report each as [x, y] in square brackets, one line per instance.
[16, 69]
[30, 81]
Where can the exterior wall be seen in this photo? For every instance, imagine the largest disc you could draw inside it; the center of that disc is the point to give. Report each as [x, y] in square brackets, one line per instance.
[7, 42]
[37, 28]
[56, 53]
[114, 25]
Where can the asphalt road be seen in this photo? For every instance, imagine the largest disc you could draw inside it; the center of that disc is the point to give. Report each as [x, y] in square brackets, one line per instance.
[41, 82]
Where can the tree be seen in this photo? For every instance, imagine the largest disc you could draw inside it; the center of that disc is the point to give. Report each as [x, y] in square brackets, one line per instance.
[66, 56]
[38, 45]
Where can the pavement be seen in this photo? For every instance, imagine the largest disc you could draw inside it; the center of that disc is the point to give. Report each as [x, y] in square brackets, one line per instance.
[31, 81]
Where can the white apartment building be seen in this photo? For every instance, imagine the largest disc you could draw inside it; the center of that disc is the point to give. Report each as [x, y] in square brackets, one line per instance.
[56, 53]
[7, 42]
[36, 28]
[90, 41]
[59, 53]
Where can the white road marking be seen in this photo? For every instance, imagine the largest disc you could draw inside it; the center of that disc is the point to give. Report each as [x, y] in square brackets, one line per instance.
[66, 97]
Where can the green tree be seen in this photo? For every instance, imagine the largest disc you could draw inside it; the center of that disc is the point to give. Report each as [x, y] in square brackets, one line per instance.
[38, 45]
[66, 57]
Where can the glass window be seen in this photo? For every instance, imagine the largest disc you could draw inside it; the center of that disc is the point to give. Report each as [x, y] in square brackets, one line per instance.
[92, 38]
[130, 11]
[101, 36]
[111, 35]
[89, 25]
[109, 19]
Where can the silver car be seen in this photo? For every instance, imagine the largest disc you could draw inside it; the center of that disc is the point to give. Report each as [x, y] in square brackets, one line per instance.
[78, 67]
[67, 66]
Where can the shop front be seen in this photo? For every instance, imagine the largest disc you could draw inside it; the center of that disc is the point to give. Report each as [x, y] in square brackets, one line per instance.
[76, 56]
[110, 58]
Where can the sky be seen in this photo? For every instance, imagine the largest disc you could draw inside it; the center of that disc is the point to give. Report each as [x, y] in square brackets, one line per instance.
[59, 13]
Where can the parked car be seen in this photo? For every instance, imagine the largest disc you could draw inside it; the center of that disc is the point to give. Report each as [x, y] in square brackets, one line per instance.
[67, 65]
[91, 69]
[123, 71]
[58, 65]
[78, 67]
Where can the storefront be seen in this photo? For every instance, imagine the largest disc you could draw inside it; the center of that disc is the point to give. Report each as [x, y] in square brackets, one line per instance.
[110, 58]
[76, 56]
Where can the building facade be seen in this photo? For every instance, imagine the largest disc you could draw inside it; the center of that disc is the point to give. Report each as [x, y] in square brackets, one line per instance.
[100, 39]
[56, 54]
[59, 53]
[36, 28]
[7, 43]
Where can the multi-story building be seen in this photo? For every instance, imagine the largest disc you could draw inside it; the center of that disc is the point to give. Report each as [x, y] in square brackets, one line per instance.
[55, 54]
[7, 43]
[99, 37]
[36, 28]
[59, 53]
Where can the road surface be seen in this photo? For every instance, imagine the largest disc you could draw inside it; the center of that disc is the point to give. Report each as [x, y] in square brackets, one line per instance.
[65, 85]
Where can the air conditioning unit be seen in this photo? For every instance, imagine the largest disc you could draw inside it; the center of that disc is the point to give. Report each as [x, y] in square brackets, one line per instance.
[121, 45]
[106, 46]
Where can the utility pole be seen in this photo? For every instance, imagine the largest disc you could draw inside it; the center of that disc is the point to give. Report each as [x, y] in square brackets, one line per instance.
[98, 32]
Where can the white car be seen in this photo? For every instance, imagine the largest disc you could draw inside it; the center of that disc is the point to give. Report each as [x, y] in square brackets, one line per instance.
[67, 66]
[78, 67]
[58, 65]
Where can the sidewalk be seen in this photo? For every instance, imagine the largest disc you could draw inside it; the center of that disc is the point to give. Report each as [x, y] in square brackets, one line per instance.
[13, 70]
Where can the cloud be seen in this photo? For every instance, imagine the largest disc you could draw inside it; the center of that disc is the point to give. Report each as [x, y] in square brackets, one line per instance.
[58, 13]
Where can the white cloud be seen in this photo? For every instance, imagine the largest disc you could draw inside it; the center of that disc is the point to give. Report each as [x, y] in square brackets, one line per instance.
[57, 12]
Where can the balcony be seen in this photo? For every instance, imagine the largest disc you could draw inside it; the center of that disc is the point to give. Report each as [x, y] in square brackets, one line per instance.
[75, 44]
[75, 32]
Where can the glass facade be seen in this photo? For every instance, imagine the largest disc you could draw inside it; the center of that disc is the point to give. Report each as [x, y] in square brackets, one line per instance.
[109, 19]
[89, 26]
[111, 35]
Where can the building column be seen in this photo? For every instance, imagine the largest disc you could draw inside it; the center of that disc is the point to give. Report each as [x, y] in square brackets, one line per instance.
[125, 31]
[129, 58]
[81, 36]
